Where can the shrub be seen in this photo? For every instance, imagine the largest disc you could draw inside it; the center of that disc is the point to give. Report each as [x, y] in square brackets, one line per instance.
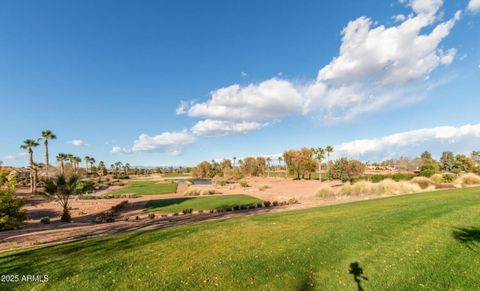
[275, 203]
[243, 207]
[188, 183]
[259, 205]
[375, 178]
[45, 220]
[85, 186]
[192, 192]
[11, 214]
[175, 214]
[264, 187]
[385, 187]
[137, 217]
[99, 219]
[437, 178]
[187, 211]
[253, 206]
[468, 179]
[267, 203]
[221, 182]
[428, 168]
[325, 192]
[229, 209]
[236, 207]
[448, 177]
[423, 182]
[151, 215]
[110, 219]
[200, 211]
[293, 201]
[243, 183]
[344, 169]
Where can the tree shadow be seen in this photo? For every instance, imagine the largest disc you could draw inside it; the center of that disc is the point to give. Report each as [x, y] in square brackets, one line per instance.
[468, 236]
[357, 272]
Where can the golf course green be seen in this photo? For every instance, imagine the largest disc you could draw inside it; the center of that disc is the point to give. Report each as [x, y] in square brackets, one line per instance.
[412, 242]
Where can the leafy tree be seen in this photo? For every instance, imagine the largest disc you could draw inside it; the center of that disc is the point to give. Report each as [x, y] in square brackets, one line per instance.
[345, 169]
[28, 145]
[463, 164]
[61, 189]
[47, 135]
[447, 162]
[11, 214]
[426, 155]
[428, 168]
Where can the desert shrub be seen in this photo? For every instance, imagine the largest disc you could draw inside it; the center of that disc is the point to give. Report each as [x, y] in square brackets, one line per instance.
[200, 211]
[236, 207]
[99, 219]
[188, 183]
[259, 205]
[243, 207]
[275, 203]
[11, 214]
[467, 179]
[375, 178]
[423, 182]
[85, 186]
[448, 177]
[122, 176]
[428, 168]
[229, 209]
[344, 169]
[243, 183]
[267, 203]
[137, 217]
[293, 201]
[151, 215]
[264, 187]
[175, 214]
[192, 192]
[325, 192]
[110, 219]
[253, 206]
[164, 215]
[187, 211]
[220, 182]
[385, 187]
[437, 178]
[45, 220]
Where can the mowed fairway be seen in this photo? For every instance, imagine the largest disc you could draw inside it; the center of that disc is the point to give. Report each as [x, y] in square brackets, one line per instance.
[413, 242]
[147, 188]
[199, 203]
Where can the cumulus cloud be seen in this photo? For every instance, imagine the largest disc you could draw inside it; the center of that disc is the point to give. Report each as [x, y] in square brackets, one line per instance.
[77, 142]
[169, 142]
[377, 67]
[210, 127]
[411, 143]
[474, 6]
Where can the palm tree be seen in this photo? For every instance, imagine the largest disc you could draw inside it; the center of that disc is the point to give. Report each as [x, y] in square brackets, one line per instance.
[126, 168]
[319, 156]
[61, 158]
[78, 160]
[269, 160]
[92, 162]
[87, 161]
[61, 188]
[234, 160]
[28, 145]
[329, 150]
[47, 135]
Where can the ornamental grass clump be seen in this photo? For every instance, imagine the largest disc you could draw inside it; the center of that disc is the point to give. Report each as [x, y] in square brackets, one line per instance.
[467, 180]
[423, 182]
[325, 192]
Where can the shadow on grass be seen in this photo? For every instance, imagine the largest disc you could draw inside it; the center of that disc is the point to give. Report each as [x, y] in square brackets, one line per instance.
[468, 236]
[357, 272]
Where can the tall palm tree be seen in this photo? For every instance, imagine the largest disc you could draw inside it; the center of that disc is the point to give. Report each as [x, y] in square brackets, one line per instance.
[234, 160]
[28, 145]
[61, 189]
[329, 150]
[61, 158]
[47, 135]
[78, 160]
[126, 168]
[87, 161]
[319, 156]
[269, 160]
[92, 162]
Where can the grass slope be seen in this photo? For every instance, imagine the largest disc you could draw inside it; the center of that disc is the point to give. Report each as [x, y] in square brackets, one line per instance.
[146, 188]
[421, 241]
[199, 203]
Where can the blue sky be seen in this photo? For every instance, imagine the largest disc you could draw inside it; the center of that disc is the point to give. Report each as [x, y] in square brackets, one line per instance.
[111, 76]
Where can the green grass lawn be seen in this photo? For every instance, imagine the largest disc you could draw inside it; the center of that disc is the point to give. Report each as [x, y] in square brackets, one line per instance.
[146, 188]
[199, 203]
[170, 175]
[422, 241]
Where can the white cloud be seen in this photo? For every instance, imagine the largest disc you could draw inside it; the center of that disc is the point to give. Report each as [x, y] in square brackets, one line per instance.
[211, 127]
[77, 142]
[170, 142]
[377, 67]
[268, 100]
[399, 17]
[243, 74]
[411, 143]
[474, 6]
